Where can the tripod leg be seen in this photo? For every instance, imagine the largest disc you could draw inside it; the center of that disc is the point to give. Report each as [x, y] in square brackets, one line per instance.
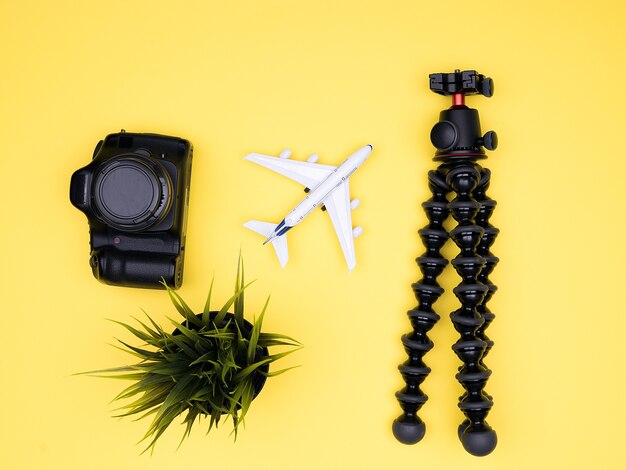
[476, 435]
[408, 428]
[487, 205]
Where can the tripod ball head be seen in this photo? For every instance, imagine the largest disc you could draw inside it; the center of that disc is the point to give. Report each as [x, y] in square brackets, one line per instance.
[458, 134]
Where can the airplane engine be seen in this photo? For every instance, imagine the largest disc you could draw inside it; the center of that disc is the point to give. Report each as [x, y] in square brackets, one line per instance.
[357, 231]
[355, 203]
[313, 158]
[285, 153]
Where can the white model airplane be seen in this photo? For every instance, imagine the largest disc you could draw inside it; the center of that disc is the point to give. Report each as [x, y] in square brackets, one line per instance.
[326, 187]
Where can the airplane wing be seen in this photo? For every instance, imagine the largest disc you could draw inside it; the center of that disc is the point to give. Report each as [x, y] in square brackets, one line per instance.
[338, 207]
[305, 173]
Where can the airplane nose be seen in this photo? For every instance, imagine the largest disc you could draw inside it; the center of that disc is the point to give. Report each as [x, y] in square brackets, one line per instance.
[370, 146]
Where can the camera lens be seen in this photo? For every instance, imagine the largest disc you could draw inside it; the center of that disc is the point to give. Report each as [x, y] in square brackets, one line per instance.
[132, 192]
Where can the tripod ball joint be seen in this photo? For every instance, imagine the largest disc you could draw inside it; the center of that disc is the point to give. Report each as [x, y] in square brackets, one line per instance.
[463, 179]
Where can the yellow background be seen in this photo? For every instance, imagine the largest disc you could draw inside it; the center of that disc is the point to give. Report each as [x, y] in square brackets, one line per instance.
[325, 77]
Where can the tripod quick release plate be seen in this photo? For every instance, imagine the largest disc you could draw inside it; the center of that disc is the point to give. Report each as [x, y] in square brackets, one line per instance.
[467, 82]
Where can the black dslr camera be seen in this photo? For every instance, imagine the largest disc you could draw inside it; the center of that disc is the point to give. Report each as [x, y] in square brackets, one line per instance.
[135, 194]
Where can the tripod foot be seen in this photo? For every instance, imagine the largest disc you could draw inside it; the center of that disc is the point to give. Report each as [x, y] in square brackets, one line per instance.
[408, 431]
[478, 442]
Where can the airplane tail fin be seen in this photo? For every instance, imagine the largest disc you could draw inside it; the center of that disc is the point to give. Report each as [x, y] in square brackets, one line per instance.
[280, 243]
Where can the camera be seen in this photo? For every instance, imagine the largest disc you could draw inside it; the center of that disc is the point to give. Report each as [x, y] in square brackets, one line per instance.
[135, 194]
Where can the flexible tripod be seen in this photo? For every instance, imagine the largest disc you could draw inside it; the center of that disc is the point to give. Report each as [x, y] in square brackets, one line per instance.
[459, 144]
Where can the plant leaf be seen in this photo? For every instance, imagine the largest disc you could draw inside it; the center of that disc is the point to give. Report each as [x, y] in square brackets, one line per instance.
[160, 429]
[275, 337]
[251, 368]
[139, 334]
[141, 353]
[240, 344]
[207, 304]
[256, 331]
[216, 414]
[191, 334]
[107, 371]
[153, 397]
[243, 373]
[246, 399]
[188, 350]
[183, 308]
[156, 326]
[275, 357]
[278, 372]
[179, 393]
[219, 318]
[174, 369]
[146, 383]
[204, 358]
[192, 414]
[239, 282]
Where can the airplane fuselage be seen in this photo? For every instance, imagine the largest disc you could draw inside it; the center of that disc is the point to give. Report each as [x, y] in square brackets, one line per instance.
[316, 196]
[326, 187]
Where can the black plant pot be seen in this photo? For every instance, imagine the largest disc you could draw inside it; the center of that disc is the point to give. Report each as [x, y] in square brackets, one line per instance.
[261, 352]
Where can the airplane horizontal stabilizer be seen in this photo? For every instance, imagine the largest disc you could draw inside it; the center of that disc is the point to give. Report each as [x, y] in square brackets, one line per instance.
[280, 243]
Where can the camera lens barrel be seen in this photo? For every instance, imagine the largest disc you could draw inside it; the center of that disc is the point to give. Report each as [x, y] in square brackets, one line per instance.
[131, 192]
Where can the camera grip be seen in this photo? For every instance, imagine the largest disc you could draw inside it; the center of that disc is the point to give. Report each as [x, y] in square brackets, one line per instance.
[135, 269]
[80, 190]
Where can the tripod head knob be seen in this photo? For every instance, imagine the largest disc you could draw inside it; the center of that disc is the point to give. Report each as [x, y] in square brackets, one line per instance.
[443, 135]
[489, 140]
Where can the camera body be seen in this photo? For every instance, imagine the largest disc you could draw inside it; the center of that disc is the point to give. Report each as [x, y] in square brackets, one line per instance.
[135, 194]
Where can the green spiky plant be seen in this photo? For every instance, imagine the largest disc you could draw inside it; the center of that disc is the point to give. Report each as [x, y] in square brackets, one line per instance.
[212, 364]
